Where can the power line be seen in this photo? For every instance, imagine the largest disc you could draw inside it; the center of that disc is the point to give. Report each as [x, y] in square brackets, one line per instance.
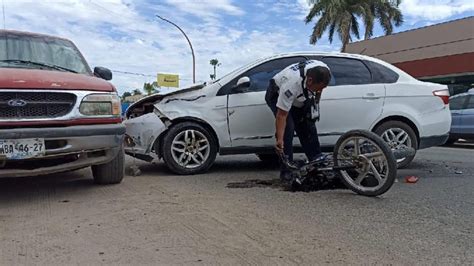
[106, 9]
[132, 73]
[139, 74]
[120, 71]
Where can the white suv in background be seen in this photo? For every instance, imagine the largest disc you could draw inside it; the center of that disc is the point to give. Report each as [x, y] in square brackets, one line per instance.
[189, 127]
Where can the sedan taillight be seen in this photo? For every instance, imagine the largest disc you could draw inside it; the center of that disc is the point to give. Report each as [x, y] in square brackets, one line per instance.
[443, 94]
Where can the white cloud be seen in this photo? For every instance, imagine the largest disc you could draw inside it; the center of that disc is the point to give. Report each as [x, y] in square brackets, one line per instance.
[303, 7]
[117, 35]
[206, 8]
[290, 9]
[417, 10]
[124, 34]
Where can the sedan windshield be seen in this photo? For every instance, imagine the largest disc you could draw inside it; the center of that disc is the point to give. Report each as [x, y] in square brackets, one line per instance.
[40, 52]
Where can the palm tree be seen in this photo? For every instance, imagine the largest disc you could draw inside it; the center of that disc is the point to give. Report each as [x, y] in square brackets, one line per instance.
[386, 12]
[342, 16]
[151, 88]
[215, 63]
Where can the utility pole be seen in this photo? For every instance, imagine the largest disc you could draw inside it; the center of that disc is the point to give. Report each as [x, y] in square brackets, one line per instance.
[189, 42]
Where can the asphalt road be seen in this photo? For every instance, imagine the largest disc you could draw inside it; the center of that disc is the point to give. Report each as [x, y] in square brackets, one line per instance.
[158, 218]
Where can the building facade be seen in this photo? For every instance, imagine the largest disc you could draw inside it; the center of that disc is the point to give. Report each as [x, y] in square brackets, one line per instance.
[441, 53]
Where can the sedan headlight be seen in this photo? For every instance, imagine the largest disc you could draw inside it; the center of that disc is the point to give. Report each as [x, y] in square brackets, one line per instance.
[100, 104]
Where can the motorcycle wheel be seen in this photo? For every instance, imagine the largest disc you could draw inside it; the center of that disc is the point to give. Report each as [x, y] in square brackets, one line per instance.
[376, 167]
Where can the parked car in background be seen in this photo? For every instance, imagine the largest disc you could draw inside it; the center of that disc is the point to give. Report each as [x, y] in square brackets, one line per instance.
[55, 113]
[188, 128]
[462, 112]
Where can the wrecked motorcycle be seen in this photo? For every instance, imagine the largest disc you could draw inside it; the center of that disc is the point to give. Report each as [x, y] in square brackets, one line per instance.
[361, 160]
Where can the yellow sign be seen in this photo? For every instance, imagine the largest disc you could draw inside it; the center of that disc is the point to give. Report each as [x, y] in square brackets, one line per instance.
[168, 80]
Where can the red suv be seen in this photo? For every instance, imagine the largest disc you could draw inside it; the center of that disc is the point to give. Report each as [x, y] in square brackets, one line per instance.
[56, 114]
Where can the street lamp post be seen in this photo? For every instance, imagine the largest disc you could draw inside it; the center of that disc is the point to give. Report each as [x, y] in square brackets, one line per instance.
[189, 42]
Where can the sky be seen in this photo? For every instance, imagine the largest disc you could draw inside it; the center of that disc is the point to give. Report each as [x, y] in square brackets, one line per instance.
[126, 37]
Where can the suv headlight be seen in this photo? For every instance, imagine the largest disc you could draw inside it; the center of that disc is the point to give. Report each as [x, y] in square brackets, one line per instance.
[101, 104]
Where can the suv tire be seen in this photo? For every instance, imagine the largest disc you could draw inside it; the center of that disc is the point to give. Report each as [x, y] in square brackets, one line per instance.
[111, 172]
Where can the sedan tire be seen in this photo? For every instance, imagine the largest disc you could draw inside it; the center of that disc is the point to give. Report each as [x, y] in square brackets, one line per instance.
[189, 148]
[397, 133]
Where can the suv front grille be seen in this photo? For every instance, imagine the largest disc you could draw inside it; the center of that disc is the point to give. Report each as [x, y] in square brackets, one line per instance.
[32, 105]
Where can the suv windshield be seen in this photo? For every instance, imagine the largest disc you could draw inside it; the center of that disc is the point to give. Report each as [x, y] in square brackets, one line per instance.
[41, 52]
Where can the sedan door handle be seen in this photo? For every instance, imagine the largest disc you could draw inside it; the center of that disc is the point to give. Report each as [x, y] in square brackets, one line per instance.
[370, 95]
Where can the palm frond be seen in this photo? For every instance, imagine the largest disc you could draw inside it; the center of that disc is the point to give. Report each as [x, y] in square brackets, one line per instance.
[315, 11]
[345, 17]
[331, 31]
[355, 26]
[319, 28]
[386, 24]
[397, 17]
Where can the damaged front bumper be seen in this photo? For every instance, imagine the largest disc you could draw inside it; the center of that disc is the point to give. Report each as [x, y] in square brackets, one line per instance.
[141, 135]
[66, 149]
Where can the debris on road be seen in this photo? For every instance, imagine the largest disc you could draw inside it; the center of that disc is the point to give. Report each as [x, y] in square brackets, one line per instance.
[133, 170]
[311, 184]
[411, 179]
[275, 183]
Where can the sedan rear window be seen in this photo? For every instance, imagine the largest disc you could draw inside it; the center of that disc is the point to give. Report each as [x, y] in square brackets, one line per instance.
[381, 74]
[347, 71]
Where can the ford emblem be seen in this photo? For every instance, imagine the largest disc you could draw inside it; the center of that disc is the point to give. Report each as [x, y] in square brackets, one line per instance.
[17, 103]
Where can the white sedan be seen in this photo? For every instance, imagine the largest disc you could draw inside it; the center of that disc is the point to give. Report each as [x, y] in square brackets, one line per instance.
[189, 127]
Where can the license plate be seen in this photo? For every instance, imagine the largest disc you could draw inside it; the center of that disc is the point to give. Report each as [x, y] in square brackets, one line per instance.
[18, 149]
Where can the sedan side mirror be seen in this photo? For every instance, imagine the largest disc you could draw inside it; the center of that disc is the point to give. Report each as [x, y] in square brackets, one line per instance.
[242, 85]
[103, 73]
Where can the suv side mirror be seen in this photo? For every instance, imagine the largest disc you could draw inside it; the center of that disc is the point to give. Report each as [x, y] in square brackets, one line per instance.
[242, 85]
[103, 73]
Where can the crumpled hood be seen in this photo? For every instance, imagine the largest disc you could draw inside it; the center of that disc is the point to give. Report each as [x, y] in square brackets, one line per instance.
[16, 78]
[167, 95]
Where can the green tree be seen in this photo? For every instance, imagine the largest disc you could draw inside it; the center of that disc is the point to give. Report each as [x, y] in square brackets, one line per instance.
[342, 16]
[137, 92]
[126, 94]
[151, 88]
[214, 63]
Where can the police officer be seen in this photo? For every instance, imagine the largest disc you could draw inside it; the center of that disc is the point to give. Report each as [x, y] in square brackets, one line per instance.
[293, 96]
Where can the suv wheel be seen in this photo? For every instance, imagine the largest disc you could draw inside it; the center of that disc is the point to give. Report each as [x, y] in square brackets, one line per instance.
[111, 172]
[396, 134]
[189, 148]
